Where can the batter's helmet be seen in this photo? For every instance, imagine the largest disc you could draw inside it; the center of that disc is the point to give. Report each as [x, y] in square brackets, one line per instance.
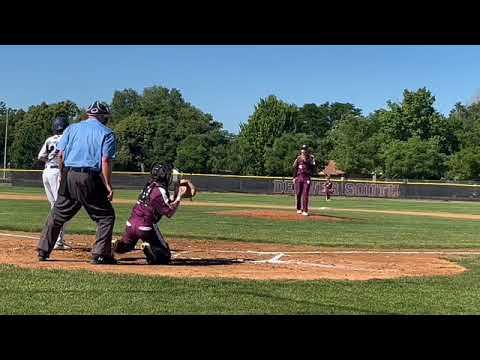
[162, 174]
[59, 124]
[304, 147]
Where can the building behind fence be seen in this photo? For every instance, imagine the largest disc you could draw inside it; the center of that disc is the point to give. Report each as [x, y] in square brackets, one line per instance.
[279, 185]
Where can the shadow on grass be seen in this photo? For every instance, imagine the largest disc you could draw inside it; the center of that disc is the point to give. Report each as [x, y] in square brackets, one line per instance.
[334, 308]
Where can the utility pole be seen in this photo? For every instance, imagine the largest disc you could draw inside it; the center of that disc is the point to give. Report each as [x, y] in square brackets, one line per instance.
[5, 149]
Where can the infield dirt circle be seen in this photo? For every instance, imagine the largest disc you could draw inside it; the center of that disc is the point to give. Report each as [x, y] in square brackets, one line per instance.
[241, 260]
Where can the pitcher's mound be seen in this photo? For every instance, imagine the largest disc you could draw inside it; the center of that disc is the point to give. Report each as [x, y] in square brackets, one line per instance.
[280, 215]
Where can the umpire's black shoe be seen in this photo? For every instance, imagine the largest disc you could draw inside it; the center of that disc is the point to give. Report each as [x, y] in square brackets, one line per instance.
[42, 255]
[103, 260]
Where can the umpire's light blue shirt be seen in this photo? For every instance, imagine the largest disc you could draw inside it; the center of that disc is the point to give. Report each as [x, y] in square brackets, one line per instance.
[85, 143]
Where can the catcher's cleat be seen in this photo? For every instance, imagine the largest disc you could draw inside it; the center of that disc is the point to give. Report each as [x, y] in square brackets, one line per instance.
[299, 211]
[305, 213]
[147, 250]
[104, 260]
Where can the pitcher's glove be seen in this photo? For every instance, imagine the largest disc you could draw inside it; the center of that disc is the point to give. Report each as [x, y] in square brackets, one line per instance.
[190, 190]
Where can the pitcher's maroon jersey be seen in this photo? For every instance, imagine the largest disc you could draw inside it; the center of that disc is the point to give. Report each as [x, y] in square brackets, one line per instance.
[304, 167]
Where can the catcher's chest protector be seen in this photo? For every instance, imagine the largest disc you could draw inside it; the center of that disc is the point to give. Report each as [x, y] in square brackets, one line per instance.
[144, 197]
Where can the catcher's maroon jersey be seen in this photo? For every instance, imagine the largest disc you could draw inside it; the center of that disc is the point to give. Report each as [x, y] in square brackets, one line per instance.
[151, 213]
[152, 204]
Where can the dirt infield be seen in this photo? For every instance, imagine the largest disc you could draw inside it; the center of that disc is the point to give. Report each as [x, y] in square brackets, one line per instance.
[445, 215]
[279, 215]
[209, 259]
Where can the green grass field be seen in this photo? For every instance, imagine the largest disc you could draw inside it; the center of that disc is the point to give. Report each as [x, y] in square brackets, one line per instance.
[66, 292]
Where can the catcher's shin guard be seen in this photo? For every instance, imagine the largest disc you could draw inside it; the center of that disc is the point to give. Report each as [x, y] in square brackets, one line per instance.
[149, 254]
[156, 255]
[160, 248]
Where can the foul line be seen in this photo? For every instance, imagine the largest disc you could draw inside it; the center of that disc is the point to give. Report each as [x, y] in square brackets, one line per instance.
[407, 252]
[20, 236]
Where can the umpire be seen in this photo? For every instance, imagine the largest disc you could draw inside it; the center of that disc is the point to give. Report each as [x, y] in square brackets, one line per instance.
[86, 149]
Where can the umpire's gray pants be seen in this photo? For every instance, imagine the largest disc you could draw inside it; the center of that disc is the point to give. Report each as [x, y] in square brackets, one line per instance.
[87, 190]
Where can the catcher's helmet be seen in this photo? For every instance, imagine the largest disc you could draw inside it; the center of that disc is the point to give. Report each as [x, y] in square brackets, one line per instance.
[99, 109]
[162, 174]
[59, 124]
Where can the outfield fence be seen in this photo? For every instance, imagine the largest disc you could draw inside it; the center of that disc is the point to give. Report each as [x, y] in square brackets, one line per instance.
[282, 185]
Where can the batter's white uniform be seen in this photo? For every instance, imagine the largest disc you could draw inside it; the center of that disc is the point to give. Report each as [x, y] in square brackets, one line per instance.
[51, 173]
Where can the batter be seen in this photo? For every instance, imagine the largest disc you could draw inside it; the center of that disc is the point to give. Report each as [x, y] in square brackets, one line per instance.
[50, 154]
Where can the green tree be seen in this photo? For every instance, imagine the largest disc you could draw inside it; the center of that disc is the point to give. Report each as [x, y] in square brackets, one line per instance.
[313, 119]
[271, 119]
[465, 164]
[158, 101]
[134, 139]
[191, 120]
[465, 124]
[173, 120]
[206, 153]
[164, 149]
[225, 157]
[192, 154]
[339, 111]
[414, 116]
[124, 103]
[280, 157]
[318, 120]
[353, 149]
[33, 128]
[415, 159]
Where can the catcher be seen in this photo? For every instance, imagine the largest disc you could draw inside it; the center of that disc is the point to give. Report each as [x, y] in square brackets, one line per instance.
[153, 203]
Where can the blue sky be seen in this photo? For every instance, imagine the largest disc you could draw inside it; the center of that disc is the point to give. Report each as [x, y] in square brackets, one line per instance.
[227, 81]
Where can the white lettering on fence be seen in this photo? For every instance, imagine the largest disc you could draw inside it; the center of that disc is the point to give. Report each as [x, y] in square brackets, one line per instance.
[345, 189]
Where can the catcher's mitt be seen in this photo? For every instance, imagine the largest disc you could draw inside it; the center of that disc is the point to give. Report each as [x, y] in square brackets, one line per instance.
[191, 191]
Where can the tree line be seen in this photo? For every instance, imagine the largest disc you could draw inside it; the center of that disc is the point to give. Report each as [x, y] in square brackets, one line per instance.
[406, 139]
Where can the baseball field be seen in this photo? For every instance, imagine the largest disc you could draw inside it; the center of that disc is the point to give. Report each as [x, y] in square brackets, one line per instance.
[252, 254]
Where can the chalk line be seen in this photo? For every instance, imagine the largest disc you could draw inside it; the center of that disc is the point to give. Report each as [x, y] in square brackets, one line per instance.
[406, 252]
[20, 236]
